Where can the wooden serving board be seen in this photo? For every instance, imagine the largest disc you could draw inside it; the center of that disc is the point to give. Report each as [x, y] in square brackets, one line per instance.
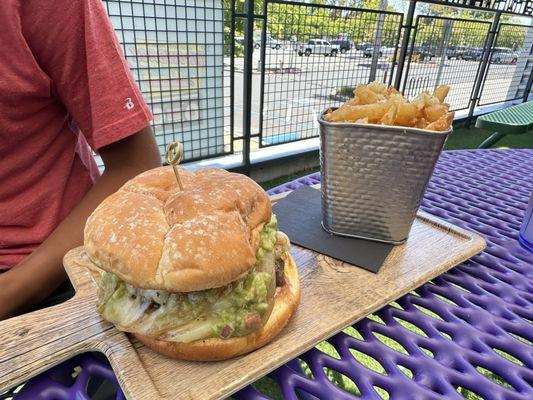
[334, 295]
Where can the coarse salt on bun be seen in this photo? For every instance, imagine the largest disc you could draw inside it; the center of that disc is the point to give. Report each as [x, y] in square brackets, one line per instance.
[154, 236]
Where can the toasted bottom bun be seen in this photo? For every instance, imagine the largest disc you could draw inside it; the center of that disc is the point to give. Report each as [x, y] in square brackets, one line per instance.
[285, 302]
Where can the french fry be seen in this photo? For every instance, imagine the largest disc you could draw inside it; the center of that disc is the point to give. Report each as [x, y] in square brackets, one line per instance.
[397, 98]
[374, 112]
[390, 116]
[425, 99]
[421, 100]
[377, 87]
[435, 111]
[365, 95]
[438, 125]
[407, 114]
[349, 113]
[442, 124]
[441, 92]
[392, 90]
[434, 101]
[340, 114]
[375, 103]
[354, 101]
[449, 119]
[421, 123]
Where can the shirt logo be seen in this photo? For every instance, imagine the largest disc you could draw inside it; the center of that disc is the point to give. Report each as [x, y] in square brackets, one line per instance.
[129, 104]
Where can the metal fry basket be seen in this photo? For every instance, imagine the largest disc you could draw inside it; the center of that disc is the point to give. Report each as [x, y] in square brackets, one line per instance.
[374, 177]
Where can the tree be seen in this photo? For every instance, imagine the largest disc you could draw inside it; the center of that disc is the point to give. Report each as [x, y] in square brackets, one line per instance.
[286, 21]
[512, 36]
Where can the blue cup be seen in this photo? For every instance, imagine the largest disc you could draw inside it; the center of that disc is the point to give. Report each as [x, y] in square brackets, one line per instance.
[526, 232]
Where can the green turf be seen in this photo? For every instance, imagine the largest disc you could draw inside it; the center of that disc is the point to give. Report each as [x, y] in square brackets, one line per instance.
[464, 138]
[461, 138]
[270, 388]
[287, 178]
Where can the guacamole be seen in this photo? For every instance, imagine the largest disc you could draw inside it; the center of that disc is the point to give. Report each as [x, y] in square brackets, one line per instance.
[236, 309]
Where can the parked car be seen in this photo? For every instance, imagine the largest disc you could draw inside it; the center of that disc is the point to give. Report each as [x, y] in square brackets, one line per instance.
[383, 51]
[504, 55]
[344, 45]
[318, 46]
[452, 52]
[369, 51]
[388, 51]
[472, 54]
[455, 52]
[269, 42]
[425, 53]
[362, 46]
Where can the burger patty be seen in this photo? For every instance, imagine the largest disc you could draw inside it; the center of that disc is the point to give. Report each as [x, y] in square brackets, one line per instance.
[282, 245]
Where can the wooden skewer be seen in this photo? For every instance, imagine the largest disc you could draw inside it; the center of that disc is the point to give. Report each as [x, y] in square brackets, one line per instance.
[174, 155]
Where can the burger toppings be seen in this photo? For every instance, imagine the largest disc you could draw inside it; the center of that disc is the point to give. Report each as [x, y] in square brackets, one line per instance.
[252, 321]
[236, 309]
[280, 272]
[249, 298]
[151, 308]
[226, 332]
[282, 245]
[155, 296]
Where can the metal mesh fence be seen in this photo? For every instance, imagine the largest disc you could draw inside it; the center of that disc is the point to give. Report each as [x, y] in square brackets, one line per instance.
[523, 7]
[176, 50]
[187, 58]
[446, 51]
[313, 57]
[508, 64]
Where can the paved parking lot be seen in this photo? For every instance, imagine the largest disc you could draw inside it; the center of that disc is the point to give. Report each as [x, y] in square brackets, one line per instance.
[299, 87]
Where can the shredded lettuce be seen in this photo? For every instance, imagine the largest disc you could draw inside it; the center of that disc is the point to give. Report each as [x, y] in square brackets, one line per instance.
[233, 310]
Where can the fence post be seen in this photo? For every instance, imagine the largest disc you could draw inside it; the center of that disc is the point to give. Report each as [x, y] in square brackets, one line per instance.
[377, 42]
[263, 61]
[529, 83]
[247, 83]
[448, 27]
[405, 43]
[480, 78]
[232, 75]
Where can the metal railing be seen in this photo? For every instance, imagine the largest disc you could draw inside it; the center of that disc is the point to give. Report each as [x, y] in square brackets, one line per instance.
[227, 77]
[519, 7]
[176, 51]
[445, 51]
[319, 54]
[511, 53]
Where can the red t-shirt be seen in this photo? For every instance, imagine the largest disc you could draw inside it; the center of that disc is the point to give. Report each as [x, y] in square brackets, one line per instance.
[64, 86]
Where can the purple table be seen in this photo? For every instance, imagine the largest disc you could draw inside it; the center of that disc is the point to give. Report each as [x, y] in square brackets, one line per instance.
[470, 330]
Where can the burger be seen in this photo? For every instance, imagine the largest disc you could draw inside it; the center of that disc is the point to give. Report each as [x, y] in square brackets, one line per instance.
[199, 274]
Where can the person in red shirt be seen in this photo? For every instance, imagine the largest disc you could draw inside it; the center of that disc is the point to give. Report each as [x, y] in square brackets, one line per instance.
[65, 88]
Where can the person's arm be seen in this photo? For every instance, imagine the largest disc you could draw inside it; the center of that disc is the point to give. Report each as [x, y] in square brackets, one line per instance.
[34, 278]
